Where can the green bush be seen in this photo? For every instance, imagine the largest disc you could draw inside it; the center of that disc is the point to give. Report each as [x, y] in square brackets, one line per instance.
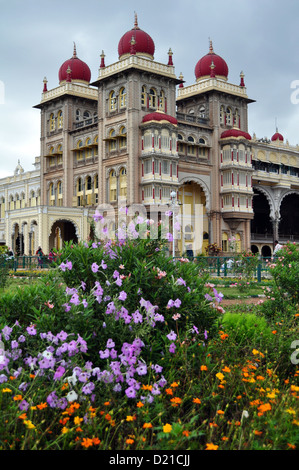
[247, 328]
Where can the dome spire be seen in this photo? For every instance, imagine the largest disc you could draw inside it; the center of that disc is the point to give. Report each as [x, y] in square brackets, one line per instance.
[75, 51]
[211, 50]
[136, 21]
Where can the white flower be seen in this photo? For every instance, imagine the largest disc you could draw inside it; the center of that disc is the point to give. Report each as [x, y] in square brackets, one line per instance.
[245, 414]
[72, 396]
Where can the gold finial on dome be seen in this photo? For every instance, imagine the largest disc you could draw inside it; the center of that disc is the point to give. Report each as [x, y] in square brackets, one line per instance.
[136, 21]
[211, 50]
[75, 51]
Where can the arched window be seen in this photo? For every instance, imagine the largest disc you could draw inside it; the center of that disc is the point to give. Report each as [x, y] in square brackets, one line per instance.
[17, 199]
[59, 154]
[123, 183]
[112, 185]
[78, 115]
[222, 115]
[86, 115]
[224, 241]
[96, 188]
[122, 98]
[79, 152]
[191, 148]
[123, 137]
[59, 119]
[162, 101]
[143, 96]
[51, 195]
[229, 117]
[52, 122]
[59, 193]
[112, 140]
[152, 98]
[202, 112]
[238, 243]
[112, 101]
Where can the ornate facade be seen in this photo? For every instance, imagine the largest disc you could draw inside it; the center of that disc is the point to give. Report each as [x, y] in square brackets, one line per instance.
[137, 133]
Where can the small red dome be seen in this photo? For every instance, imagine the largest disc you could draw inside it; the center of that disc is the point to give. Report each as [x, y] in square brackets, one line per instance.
[159, 116]
[203, 66]
[143, 42]
[235, 133]
[79, 69]
[277, 136]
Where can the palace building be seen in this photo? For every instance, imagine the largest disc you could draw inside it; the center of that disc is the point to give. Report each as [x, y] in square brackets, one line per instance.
[135, 134]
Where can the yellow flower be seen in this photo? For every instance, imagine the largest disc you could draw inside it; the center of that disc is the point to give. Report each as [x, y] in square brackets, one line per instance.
[64, 430]
[129, 418]
[291, 411]
[220, 376]
[29, 424]
[77, 420]
[211, 446]
[6, 390]
[167, 428]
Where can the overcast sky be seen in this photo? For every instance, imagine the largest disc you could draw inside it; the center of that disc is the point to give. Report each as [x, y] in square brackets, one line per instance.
[258, 37]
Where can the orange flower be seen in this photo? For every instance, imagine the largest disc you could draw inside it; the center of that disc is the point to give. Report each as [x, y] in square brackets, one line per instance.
[291, 446]
[130, 441]
[264, 407]
[186, 433]
[211, 446]
[147, 387]
[86, 442]
[140, 404]
[196, 400]
[107, 403]
[274, 332]
[176, 401]
[130, 418]
[168, 391]
[23, 416]
[224, 438]
[258, 433]
[174, 384]
[226, 369]
[41, 406]
[203, 368]
[18, 397]
[147, 425]
[108, 417]
[96, 440]
[220, 412]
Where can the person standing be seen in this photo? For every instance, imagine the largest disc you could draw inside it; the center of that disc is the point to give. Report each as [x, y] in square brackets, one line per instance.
[40, 254]
[277, 247]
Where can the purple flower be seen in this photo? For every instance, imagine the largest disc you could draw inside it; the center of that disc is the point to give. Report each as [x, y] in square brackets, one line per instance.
[180, 282]
[118, 282]
[69, 265]
[6, 331]
[172, 348]
[88, 388]
[110, 343]
[206, 334]
[103, 264]
[208, 297]
[85, 303]
[171, 336]
[83, 285]
[141, 369]
[31, 330]
[169, 237]
[131, 392]
[59, 372]
[170, 303]
[177, 303]
[122, 295]
[23, 405]
[104, 354]
[195, 329]
[137, 317]
[94, 267]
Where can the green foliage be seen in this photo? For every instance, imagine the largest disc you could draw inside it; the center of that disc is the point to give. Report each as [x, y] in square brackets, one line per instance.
[283, 295]
[244, 267]
[247, 327]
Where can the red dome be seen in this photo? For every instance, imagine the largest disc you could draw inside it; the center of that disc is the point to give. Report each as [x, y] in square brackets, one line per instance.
[235, 133]
[143, 42]
[277, 136]
[159, 116]
[203, 66]
[79, 69]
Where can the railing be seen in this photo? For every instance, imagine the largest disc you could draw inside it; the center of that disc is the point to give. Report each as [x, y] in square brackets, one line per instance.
[221, 266]
[27, 263]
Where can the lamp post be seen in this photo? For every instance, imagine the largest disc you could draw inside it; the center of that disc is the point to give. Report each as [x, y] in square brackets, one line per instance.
[173, 197]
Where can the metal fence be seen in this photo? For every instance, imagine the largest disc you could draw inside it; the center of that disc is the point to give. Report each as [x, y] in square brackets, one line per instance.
[222, 266]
